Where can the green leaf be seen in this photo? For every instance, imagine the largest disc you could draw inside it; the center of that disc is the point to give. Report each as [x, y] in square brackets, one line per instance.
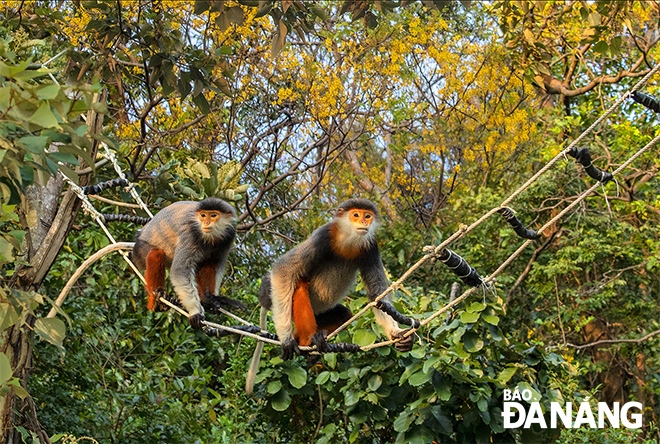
[322, 378]
[202, 103]
[34, 144]
[274, 387]
[297, 376]
[6, 254]
[7, 313]
[48, 92]
[331, 359]
[491, 319]
[236, 15]
[402, 423]
[506, 374]
[64, 157]
[445, 423]
[100, 107]
[5, 369]
[536, 396]
[469, 318]
[601, 47]
[419, 378]
[430, 363]
[281, 401]
[363, 337]
[351, 397]
[476, 307]
[44, 117]
[50, 329]
[473, 342]
[15, 383]
[615, 45]
[375, 382]
[279, 38]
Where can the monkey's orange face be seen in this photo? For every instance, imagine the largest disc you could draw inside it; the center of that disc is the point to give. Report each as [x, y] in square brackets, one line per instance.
[208, 218]
[361, 220]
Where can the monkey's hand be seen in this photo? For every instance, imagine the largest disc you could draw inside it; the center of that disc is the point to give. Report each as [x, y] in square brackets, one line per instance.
[318, 339]
[405, 344]
[196, 321]
[289, 349]
[213, 302]
[161, 292]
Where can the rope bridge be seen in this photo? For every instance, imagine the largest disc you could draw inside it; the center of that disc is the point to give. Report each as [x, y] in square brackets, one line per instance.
[454, 261]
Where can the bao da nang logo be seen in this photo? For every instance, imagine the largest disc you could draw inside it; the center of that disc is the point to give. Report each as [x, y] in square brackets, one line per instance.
[517, 414]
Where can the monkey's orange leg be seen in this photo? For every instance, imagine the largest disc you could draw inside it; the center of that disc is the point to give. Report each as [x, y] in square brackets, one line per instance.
[155, 275]
[206, 278]
[303, 315]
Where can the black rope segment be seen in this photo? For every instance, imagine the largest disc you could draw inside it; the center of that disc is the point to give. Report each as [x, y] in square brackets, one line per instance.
[584, 158]
[460, 268]
[517, 226]
[342, 347]
[401, 319]
[219, 333]
[646, 100]
[96, 189]
[126, 218]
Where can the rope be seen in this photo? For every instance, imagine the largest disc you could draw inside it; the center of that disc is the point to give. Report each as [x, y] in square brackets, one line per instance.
[131, 187]
[433, 253]
[462, 231]
[510, 259]
[89, 208]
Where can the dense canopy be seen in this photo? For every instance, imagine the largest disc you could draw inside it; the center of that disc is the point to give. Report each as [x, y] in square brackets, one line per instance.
[435, 110]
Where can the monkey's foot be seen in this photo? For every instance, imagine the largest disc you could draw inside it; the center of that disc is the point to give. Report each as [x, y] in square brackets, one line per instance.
[405, 344]
[318, 339]
[161, 292]
[289, 349]
[196, 320]
[213, 302]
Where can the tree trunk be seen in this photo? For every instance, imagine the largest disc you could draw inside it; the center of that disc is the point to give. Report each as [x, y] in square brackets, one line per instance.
[40, 253]
[613, 379]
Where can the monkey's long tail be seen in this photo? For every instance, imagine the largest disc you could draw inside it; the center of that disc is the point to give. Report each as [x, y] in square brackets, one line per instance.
[256, 357]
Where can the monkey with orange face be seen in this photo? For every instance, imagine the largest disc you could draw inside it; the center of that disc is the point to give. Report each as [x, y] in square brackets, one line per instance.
[192, 239]
[307, 284]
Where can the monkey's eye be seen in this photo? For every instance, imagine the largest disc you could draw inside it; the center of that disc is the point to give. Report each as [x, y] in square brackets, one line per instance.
[202, 215]
[356, 215]
[367, 216]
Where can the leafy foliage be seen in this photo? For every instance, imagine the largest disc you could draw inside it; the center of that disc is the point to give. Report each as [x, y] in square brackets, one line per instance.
[286, 108]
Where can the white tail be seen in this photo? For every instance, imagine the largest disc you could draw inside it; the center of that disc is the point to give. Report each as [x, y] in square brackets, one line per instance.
[256, 357]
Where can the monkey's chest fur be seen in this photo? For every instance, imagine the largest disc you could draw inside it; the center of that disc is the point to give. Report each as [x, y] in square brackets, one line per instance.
[330, 283]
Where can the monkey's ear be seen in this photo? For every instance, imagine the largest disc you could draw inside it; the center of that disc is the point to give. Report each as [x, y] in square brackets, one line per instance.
[340, 212]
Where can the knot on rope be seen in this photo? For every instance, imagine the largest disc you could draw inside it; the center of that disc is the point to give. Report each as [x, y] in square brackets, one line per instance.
[583, 157]
[518, 227]
[400, 318]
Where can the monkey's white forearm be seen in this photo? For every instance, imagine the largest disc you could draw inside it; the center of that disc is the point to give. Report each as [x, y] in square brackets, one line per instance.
[186, 289]
[282, 306]
[384, 320]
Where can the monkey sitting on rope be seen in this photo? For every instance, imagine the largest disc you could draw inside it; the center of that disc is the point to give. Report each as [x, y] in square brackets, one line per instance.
[307, 284]
[192, 239]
